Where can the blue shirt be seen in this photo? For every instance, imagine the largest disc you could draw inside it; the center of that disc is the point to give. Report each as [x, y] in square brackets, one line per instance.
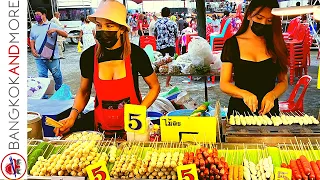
[166, 32]
[38, 34]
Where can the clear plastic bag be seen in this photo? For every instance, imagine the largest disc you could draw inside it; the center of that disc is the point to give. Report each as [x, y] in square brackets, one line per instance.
[199, 47]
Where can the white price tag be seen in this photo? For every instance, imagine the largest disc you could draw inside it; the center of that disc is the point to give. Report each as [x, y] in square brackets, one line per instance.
[67, 178]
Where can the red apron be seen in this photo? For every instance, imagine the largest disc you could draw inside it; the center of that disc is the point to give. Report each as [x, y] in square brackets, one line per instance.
[111, 97]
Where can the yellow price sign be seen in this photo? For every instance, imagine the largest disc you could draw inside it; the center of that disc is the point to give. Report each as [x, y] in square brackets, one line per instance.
[193, 129]
[135, 118]
[187, 172]
[283, 173]
[98, 171]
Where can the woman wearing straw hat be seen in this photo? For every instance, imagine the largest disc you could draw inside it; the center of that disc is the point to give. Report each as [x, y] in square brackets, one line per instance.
[112, 66]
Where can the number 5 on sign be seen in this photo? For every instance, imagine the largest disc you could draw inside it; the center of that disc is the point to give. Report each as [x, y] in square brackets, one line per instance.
[135, 118]
[187, 172]
[98, 171]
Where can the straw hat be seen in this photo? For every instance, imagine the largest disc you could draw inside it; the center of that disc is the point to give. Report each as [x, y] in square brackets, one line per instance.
[111, 10]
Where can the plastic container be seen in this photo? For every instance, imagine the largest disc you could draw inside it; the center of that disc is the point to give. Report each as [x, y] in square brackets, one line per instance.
[35, 125]
[223, 112]
[185, 112]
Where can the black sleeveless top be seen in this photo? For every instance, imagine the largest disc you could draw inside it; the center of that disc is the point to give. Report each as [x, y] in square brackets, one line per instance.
[258, 78]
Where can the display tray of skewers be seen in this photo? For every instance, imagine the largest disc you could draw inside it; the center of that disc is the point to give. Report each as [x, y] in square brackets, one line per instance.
[159, 160]
[148, 160]
[285, 123]
[68, 158]
[302, 158]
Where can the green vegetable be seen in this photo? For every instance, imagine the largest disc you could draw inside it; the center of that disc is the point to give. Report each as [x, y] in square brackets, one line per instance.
[31, 162]
[42, 145]
[46, 154]
[36, 153]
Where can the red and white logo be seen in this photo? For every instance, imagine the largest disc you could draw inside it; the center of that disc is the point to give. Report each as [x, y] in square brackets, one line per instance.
[13, 166]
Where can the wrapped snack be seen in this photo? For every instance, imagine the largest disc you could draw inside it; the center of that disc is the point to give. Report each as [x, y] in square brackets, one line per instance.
[201, 109]
[164, 69]
[174, 69]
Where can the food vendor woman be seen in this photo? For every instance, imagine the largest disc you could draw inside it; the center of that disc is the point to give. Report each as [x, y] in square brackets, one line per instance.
[112, 66]
[258, 57]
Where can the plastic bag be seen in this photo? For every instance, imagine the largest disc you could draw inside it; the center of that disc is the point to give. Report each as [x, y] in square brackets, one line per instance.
[174, 69]
[63, 93]
[189, 69]
[185, 100]
[197, 61]
[199, 47]
[79, 47]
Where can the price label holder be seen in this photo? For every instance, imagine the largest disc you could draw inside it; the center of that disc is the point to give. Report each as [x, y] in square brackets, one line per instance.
[187, 172]
[98, 171]
[67, 178]
[179, 128]
[283, 173]
[135, 118]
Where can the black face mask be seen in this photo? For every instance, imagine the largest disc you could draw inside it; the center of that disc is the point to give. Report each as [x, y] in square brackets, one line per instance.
[107, 39]
[261, 29]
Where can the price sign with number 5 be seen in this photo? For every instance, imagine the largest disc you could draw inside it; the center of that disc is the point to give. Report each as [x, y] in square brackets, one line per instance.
[98, 171]
[135, 118]
[187, 172]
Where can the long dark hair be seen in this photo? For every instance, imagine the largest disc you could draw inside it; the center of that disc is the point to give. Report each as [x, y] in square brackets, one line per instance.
[274, 41]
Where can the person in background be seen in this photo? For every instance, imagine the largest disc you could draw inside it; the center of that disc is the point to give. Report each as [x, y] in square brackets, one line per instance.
[257, 57]
[154, 18]
[56, 20]
[87, 34]
[140, 25]
[226, 15]
[130, 22]
[113, 66]
[215, 23]
[166, 33]
[38, 33]
[193, 24]
[173, 17]
[181, 23]
[145, 26]
[135, 24]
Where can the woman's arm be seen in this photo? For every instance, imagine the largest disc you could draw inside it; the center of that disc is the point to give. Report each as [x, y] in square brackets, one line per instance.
[80, 35]
[154, 90]
[227, 87]
[79, 104]
[268, 100]
[82, 97]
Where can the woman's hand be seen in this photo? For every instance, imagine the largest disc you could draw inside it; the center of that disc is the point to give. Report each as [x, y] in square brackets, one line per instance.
[267, 103]
[250, 100]
[67, 124]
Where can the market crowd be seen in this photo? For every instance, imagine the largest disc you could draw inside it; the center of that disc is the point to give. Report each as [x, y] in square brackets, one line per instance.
[113, 64]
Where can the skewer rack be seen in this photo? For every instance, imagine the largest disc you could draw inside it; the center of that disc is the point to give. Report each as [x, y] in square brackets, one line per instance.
[270, 134]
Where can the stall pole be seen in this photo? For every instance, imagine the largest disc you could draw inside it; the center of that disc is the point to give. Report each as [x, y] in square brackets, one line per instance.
[201, 18]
